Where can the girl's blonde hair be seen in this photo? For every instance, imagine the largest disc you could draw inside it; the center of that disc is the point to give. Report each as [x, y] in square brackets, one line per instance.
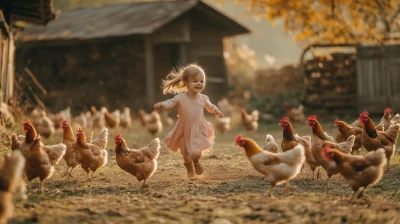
[177, 80]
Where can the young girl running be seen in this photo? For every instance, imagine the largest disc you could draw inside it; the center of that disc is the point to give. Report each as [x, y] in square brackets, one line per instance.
[192, 134]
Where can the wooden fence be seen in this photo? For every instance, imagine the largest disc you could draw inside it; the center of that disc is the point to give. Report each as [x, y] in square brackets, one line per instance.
[378, 78]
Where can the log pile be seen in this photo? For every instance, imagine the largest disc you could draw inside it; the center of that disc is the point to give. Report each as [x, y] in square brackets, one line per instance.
[331, 82]
[274, 81]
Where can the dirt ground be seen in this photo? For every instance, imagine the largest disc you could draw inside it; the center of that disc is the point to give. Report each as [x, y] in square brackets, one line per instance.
[229, 191]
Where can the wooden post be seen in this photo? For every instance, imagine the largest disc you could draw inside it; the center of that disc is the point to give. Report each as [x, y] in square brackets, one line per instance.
[149, 63]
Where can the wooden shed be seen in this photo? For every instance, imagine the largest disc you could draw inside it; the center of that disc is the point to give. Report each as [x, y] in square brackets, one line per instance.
[117, 55]
[378, 78]
[31, 11]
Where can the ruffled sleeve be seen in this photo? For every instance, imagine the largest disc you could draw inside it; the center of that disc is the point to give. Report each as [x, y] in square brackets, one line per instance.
[171, 103]
[211, 108]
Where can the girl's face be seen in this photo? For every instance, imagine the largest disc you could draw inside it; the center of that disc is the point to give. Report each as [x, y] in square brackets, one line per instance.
[197, 84]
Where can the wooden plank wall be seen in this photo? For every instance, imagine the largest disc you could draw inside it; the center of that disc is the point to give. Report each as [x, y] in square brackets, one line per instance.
[378, 69]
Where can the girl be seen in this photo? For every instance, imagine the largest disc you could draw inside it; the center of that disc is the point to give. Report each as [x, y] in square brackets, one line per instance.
[192, 134]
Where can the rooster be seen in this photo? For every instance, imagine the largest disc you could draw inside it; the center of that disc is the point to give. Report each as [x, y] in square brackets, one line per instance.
[372, 139]
[345, 131]
[277, 168]
[91, 156]
[295, 114]
[270, 144]
[250, 121]
[10, 181]
[290, 140]
[359, 171]
[40, 159]
[141, 163]
[223, 124]
[319, 142]
[125, 118]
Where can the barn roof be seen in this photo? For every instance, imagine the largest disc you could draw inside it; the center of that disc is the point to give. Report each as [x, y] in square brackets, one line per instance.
[32, 11]
[123, 20]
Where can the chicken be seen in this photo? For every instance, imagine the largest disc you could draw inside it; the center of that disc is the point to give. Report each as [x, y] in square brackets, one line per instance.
[360, 172]
[10, 181]
[81, 120]
[151, 121]
[250, 121]
[44, 125]
[141, 163]
[225, 107]
[97, 120]
[223, 124]
[386, 118]
[70, 154]
[63, 115]
[277, 168]
[125, 118]
[270, 144]
[372, 139]
[290, 140]
[143, 117]
[345, 131]
[7, 119]
[295, 114]
[91, 156]
[16, 141]
[166, 119]
[395, 119]
[40, 159]
[112, 119]
[319, 142]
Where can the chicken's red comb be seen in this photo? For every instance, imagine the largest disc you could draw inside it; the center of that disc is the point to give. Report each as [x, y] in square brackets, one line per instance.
[312, 117]
[336, 121]
[238, 138]
[285, 119]
[387, 110]
[79, 130]
[117, 136]
[364, 114]
[64, 122]
[27, 122]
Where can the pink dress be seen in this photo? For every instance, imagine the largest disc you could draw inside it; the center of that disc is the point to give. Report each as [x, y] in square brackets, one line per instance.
[191, 125]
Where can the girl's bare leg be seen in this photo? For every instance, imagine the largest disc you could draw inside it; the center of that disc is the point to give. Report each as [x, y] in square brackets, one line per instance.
[188, 162]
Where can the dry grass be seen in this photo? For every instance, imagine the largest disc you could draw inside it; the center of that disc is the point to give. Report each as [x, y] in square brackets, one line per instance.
[229, 190]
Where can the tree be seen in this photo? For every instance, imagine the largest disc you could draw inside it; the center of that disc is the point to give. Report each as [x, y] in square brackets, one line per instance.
[332, 21]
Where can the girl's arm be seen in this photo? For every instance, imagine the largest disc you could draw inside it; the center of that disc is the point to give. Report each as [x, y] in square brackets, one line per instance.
[211, 108]
[168, 104]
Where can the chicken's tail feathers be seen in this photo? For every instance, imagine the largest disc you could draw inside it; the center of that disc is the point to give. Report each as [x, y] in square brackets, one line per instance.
[154, 148]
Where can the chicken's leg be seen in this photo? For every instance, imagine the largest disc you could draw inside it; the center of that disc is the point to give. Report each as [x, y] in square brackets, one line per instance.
[387, 167]
[144, 184]
[318, 173]
[270, 191]
[287, 188]
[70, 172]
[66, 172]
[41, 186]
[354, 195]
